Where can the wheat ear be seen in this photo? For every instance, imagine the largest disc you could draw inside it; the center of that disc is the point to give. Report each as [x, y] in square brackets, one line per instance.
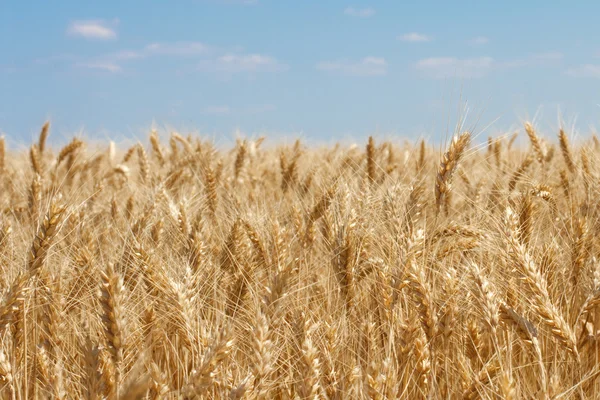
[536, 283]
[112, 318]
[44, 238]
[156, 149]
[371, 165]
[68, 150]
[535, 143]
[2, 154]
[204, 377]
[43, 136]
[566, 150]
[448, 165]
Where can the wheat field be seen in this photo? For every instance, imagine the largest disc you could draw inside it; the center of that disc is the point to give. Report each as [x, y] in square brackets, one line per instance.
[174, 270]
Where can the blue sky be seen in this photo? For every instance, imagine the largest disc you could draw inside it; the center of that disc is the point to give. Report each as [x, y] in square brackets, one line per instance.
[322, 69]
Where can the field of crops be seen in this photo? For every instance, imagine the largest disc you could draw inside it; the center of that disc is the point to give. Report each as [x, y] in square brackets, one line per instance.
[175, 270]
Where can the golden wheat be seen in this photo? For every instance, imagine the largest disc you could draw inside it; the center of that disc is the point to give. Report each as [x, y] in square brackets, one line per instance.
[185, 271]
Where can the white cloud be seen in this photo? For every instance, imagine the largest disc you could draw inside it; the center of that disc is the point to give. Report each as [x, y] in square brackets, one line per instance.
[126, 55]
[93, 29]
[534, 60]
[249, 109]
[176, 48]
[585, 71]
[477, 67]
[414, 37]
[8, 69]
[217, 110]
[159, 49]
[105, 66]
[243, 2]
[209, 58]
[368, 66]
[479, 40]
[549, 56]
[447, 67]
[231, 63]
[260, 108]
[55, 59]
[112, 62]
[359, 12]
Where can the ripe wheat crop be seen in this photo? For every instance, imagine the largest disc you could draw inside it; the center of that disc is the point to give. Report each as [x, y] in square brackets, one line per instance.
[173, 270]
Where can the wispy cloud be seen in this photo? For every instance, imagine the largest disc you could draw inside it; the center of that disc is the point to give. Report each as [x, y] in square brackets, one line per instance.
[208, 58]
[125, 55]
[549, 56]
[260, 108]
[368, 66]
[414, 37]
[104, 66]
[359, 12]
[444, 67]
[93, 29]
[479, 41]
[216, 110]
[55, 59]
[251, 109]
[159, 49]
[477, 67]
[243, 2]
[534, 60]
[7, 69]
[233, 63]
[176, 48]
[585, 71]
[114, 61]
